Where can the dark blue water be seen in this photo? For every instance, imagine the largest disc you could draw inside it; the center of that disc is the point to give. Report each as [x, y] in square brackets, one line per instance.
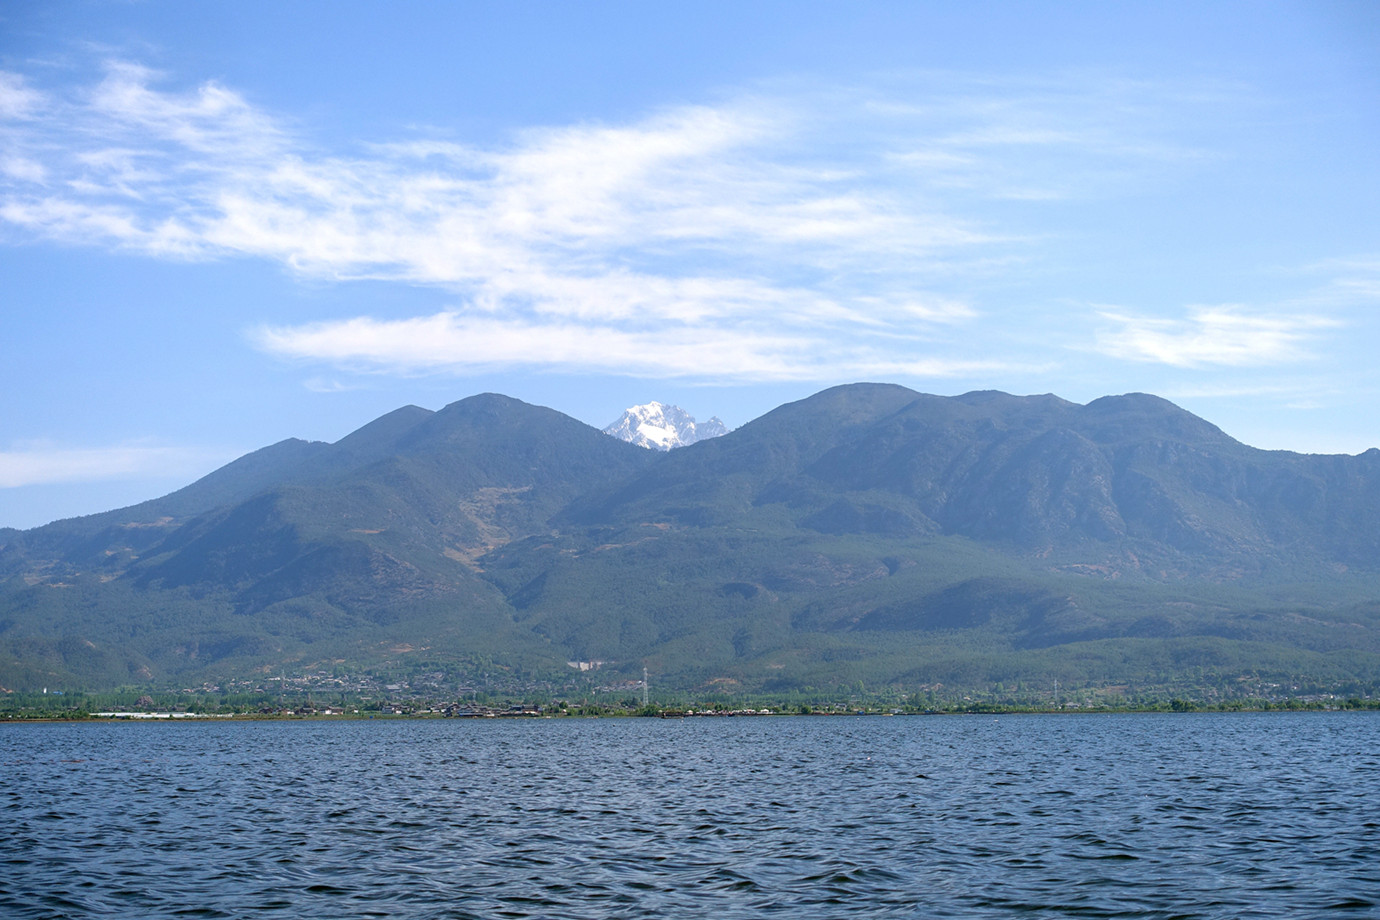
[1230, 816]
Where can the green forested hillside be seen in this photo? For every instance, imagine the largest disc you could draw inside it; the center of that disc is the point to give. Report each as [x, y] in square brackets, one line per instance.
[868, 535]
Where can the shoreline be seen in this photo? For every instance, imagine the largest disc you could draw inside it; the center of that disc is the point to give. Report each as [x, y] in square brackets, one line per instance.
[194, 717]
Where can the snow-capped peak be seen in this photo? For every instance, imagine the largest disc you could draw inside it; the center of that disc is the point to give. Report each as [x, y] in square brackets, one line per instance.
[661, 427]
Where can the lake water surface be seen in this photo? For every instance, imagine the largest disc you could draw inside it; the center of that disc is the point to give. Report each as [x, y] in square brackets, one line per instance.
[1165, 815]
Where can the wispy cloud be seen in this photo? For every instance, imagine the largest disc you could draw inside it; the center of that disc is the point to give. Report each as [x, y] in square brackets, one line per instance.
[1222, 335]
[795, 235]
[39, 464]
[1354, 280]
[18, 100]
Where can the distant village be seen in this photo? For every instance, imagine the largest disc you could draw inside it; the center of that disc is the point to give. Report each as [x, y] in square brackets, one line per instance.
[323, 694]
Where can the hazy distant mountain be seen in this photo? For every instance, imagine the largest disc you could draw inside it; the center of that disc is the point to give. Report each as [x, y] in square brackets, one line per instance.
[866, 534]
[660, 427]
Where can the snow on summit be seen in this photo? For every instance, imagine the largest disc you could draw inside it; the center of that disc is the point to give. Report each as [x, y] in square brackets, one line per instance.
[660, 427]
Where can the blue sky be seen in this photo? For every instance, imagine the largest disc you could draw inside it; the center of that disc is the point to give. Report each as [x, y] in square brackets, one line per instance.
[225, 224]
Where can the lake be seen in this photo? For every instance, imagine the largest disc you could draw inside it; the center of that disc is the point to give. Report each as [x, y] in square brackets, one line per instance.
[1136, 815]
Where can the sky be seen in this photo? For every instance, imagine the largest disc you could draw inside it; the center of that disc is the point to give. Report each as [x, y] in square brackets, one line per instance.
[223, 224]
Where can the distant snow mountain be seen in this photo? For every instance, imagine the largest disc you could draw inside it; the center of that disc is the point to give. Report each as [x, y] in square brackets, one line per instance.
[663, 427]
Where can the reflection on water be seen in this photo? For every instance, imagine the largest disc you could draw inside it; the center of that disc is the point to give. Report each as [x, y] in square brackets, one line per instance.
[957, 816]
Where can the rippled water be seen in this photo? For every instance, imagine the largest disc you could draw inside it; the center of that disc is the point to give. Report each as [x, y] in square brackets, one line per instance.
[1036, 816]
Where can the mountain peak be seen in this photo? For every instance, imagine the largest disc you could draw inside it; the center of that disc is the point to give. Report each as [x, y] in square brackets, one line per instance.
[658, 426]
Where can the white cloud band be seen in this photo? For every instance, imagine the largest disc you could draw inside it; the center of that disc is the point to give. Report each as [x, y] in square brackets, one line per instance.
[1227, 336]
[453, 342]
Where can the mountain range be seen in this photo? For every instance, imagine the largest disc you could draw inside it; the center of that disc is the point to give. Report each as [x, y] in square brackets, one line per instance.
[867, 536]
